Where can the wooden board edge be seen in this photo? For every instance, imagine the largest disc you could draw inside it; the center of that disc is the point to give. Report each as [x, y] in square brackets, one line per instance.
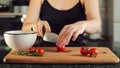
[117, 58]
[5, 58]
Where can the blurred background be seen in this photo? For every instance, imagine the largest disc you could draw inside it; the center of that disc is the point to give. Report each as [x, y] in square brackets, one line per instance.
[13, 13]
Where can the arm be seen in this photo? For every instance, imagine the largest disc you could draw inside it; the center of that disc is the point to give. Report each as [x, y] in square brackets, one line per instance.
[93, 21]
[32, 14]
[32, 20]
[91, 25]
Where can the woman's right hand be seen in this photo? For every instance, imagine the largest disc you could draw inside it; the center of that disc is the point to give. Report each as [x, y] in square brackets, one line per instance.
[40, 27]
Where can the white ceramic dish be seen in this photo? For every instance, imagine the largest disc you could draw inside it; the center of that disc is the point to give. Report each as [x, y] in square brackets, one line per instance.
[20, 40]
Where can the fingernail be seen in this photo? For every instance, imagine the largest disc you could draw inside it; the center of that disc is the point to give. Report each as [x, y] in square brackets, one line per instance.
[60, 45]
[57, 44]
[66, 43]
[73, 39]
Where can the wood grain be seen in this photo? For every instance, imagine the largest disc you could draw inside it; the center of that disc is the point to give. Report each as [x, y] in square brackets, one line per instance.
[73, 56]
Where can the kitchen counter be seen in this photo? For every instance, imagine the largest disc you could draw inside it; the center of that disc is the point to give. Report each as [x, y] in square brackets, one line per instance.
[114, 46]
[9, 13]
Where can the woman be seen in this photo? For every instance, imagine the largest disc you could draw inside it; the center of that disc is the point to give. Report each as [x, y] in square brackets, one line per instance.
[68, 18]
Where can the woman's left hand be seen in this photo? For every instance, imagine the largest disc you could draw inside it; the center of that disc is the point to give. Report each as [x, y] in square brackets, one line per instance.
[70, 31]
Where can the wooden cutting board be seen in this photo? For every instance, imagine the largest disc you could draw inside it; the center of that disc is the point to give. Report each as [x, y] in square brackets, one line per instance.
[71, 57]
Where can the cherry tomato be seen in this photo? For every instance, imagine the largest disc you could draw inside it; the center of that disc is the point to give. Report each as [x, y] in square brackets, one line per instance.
[87, 52]
[31, 49]
[40, 50]
[84, 50]
[93, 52]
[61, 49]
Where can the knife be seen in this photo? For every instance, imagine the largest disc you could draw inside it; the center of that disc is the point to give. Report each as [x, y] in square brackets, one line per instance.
[50, 37]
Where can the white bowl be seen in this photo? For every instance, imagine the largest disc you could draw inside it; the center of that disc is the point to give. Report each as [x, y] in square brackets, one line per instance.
[20, 40]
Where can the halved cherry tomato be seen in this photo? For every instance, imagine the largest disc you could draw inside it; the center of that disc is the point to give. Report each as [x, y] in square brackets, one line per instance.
[93, 52]
[84, 50]
[61, 49]
[87, 52]
[31, 49]
[40, 50]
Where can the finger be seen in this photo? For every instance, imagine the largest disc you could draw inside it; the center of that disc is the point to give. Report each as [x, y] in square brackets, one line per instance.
[47, 26]
[35, 28]
[66, 36]
[75, 35]
[60, 36]
[40, 28]
[62, 33]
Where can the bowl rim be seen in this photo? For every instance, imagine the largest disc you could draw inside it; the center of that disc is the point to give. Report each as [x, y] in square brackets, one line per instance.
[24, 32]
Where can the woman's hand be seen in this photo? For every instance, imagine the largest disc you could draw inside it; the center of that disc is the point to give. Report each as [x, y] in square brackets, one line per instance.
[40, 27]
[70, 31]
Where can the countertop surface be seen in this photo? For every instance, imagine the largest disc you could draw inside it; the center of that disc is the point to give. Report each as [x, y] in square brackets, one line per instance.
[114, 46]
[9, 14]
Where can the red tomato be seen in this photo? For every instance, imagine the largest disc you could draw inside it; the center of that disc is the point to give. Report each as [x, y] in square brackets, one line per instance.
[84, 50]
[61, 49]
[40, 50]
[87, 53]
[93, 52]
[32, 49]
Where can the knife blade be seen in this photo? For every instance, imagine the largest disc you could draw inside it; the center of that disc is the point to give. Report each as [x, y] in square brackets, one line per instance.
[50, 37]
